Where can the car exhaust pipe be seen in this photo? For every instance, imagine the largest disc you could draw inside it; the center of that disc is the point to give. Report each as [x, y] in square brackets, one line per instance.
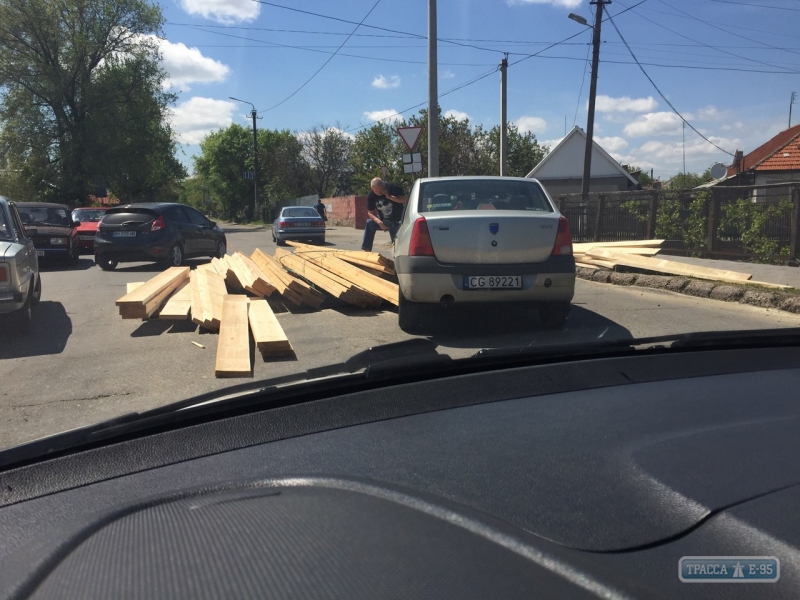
[447, 300]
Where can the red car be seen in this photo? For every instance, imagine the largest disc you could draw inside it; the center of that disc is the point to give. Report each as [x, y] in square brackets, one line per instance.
[89, 218]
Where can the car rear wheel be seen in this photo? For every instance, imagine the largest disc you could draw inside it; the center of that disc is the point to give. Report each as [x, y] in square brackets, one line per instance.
[107, 264]
[37, 291]
[222, 249]
[280, 242]
[22, 318]
[409, 315]
[174, 256]
[553, 315]
[74, 255]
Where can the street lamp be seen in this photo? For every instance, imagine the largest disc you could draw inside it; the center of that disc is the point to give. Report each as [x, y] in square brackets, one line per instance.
[254, 114]
[587, 160]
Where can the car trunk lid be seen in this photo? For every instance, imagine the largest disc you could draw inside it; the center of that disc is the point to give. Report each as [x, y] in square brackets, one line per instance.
[492, 237]
[126, 223]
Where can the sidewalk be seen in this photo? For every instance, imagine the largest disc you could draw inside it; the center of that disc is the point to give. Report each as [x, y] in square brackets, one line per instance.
[766, 273]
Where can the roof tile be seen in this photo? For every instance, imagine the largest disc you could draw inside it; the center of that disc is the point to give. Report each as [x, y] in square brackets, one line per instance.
[769, 156]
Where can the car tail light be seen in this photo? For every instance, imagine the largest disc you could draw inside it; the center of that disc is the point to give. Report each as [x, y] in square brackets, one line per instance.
[3, 274]
[318, 223]
[284, 224]
[421, 244]
[159, 224]
[563, 245]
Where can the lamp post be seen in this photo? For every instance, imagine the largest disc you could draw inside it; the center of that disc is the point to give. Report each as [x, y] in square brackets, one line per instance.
[587, 160]
[254, 114]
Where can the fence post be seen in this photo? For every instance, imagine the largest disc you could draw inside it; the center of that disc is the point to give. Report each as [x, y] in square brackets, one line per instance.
[794, 243]
[601, 204]
[651, 221]
[713, 221]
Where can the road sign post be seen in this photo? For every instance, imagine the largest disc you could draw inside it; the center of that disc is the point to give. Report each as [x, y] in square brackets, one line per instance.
[412, 162]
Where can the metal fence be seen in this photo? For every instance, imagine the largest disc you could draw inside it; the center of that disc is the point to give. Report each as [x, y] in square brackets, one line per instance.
[623, 216]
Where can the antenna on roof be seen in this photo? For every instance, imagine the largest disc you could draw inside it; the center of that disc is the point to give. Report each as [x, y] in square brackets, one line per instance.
[794, 97]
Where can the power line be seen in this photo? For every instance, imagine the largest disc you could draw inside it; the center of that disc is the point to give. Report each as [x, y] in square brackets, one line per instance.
[583, 83]
[757, 5]
[330, 58]
[660, 93]
[709, 46]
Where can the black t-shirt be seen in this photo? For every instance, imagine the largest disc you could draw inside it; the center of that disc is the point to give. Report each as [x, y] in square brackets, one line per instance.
[388, 209]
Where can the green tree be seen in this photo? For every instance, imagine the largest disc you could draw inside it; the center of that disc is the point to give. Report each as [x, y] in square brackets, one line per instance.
[690, 180]
[225, 156]
[326, 150]
[54, 58]
[375, 147]
[641, 176]
[524, 151]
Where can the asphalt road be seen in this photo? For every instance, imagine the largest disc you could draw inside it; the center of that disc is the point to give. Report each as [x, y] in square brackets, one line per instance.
[81, 363]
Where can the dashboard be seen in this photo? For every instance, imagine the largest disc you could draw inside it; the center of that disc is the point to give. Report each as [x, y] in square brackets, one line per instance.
[584, 478]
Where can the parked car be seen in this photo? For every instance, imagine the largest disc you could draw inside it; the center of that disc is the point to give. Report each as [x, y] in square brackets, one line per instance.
[52, 230]
[483, 240]
[155, 231]
[89, 218]
[20, 282]
[298, 223]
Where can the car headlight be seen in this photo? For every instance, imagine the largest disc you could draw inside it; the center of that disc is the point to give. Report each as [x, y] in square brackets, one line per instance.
[58, 241]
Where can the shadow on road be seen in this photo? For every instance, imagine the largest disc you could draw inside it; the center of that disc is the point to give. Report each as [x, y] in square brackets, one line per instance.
[82, 265]
[239, 229]
[157, 327]
[50, 330]
[511, 326]
[157, 268]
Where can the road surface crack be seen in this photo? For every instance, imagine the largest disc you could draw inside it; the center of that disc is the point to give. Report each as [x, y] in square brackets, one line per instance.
[86, 399]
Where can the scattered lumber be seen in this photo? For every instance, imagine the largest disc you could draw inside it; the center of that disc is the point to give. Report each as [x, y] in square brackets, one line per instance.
[373, 261]
[134, 285]
[233, 348]
[145, 300]
[335, 285]
[207, 295]
[179, 304]
[290, 287]
[583, 247]
[267, 331]
[251, 278]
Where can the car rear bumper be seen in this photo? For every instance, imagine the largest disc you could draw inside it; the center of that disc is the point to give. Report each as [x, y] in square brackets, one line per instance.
[131, 251]
[300, 235]
[53, 253]
[86, 241]
[424, 279]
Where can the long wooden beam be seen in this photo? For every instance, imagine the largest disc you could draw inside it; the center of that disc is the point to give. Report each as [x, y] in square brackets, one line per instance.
[268, 334]
[233, 347]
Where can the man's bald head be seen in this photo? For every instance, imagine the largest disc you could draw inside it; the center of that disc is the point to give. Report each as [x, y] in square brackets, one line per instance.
[378, 186]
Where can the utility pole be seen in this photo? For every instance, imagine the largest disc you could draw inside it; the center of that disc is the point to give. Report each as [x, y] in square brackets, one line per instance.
[504, 116]
[792, 101]
[684, 155]
[587, 159]
[433, 94]
[254, 114]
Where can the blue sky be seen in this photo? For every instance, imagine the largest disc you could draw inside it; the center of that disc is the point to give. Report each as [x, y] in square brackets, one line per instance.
[729, 67]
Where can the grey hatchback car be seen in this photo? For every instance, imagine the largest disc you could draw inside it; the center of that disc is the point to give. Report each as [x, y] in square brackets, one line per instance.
[483, 239]
[20, 281]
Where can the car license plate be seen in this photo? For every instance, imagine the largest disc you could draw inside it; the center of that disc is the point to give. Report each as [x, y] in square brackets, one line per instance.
[303, 224]
[494, 282]
[88, 238]
[40, 253]
[123, 234]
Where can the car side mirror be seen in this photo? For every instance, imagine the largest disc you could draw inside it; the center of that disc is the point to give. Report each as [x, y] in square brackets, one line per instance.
[212, 224]
[76, 224]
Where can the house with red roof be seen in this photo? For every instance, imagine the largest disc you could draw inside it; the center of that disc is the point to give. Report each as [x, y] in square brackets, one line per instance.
[773, 162]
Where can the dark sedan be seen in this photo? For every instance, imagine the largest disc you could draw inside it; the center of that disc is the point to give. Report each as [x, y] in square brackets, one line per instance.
[155, 231]
[298, 223]
[52, 230]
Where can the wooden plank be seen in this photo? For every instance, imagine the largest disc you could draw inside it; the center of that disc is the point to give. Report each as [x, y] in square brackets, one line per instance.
[134, 285]
[374, 258]
[669, 266]
[231, 279]
[369, 267]
[583, 247]
[330, 282]
[261, 281]
[638, 251]
[139, 311]
[212, 292]
[233, 347]
[289, 286]
[197, 302]
[380, 287]
[169, 279]
[267, 331]
[178, 305]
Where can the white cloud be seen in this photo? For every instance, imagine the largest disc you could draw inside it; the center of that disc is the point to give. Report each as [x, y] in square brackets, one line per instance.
[387, 116]
[607, 104]
[632, 161]
[660, 123]
[612, 143]
[197, 117]
[446, 74]
[223, 11]
[457, 115]
[550, 143]
[560, 3]
[709, 113]
[382, 83]
[531, 124]
[188, 65]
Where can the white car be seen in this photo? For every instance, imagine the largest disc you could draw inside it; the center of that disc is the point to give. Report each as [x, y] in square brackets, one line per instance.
[483, 239]
[20, 282]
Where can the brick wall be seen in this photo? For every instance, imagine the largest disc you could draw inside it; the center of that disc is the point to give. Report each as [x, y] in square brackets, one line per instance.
[346, 211]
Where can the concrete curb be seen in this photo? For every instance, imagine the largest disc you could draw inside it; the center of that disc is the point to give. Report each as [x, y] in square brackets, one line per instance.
[725, 292]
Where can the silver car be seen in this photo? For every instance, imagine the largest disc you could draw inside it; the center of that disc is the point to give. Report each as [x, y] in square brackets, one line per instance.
[483, 239]
[20, 282]
[298, 223]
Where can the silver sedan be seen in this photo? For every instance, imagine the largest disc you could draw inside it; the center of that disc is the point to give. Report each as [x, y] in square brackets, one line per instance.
[483, 239]
[20, 282]
[298, 223]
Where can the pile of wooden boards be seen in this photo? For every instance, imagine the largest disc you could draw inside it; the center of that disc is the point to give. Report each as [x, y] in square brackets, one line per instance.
[641, 255]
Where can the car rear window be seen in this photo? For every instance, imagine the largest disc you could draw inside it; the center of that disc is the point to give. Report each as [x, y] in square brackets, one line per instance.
[128, 216]
[88, 215]
[477, 194]
[299, 212]
[5, 228]
[44, 215]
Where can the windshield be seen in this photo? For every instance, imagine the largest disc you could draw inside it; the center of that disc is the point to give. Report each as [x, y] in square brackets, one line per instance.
[528, 189]
[88, 215]
[5, 227]
[44, 215]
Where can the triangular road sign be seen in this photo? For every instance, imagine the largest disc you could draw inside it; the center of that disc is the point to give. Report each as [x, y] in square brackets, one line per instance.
[410, 135]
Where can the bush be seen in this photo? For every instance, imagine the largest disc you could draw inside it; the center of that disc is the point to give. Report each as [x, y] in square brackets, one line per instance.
[749, 219]
[689, 225]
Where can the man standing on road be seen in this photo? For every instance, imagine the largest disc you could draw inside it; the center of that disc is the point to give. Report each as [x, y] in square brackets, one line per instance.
[385, 203]
[320, 208]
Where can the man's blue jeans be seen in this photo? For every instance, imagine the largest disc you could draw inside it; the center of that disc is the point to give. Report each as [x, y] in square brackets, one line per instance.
[371, 227]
